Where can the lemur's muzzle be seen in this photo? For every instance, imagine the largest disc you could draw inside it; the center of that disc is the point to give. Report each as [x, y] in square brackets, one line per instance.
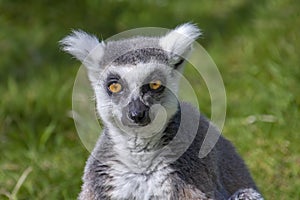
[138, 112]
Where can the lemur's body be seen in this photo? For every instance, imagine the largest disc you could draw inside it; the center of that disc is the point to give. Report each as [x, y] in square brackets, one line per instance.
[149, 149]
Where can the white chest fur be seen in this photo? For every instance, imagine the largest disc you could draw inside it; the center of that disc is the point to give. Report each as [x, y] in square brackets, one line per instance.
[138, 174]
[139, 186]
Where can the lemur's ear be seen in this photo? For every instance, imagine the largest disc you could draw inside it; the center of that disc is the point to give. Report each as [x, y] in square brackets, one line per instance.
[84, 47]
[178, 42]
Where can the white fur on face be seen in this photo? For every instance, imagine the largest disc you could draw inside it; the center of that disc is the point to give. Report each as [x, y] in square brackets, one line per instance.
[134, 76]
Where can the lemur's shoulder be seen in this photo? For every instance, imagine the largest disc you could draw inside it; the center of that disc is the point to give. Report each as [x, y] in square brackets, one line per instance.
[222, 170]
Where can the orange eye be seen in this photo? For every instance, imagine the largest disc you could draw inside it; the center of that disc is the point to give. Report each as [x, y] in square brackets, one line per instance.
[115, 87]
[154, 85]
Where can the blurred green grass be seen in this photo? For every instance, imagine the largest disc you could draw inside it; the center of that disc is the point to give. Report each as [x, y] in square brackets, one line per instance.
[255, 44]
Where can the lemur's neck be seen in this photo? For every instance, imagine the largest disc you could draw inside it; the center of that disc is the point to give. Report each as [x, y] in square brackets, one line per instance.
[140, 153]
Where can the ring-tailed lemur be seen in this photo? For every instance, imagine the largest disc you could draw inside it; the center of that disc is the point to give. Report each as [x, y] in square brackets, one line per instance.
[135, 82]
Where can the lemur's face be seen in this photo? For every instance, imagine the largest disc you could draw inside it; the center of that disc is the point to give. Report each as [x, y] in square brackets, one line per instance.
[139, 98]
[135, 80]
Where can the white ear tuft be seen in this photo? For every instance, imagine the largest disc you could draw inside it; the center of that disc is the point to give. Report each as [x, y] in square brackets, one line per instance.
[80, 45]
[179, 40]
[189, 30]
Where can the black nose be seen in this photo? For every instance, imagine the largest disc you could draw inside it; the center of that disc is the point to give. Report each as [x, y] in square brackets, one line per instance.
[137, 117]
[138, 112]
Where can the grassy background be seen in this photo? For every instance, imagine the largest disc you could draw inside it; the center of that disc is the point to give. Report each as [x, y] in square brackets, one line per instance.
[255, 44]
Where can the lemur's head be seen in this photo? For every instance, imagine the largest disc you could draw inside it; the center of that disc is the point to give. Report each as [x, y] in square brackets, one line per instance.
[135, 80]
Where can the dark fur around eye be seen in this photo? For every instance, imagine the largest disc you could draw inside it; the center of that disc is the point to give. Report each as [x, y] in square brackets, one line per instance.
[154, 76]
[146, 89]
[112, 78]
